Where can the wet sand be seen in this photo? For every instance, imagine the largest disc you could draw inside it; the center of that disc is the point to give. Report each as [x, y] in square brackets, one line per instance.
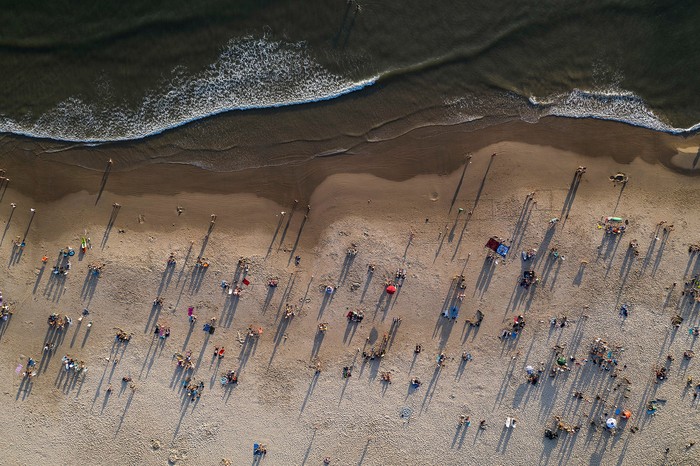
[377, 195]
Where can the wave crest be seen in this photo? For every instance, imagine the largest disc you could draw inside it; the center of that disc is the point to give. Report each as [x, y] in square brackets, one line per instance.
[611, 104]
[622, 106]
[250, 73]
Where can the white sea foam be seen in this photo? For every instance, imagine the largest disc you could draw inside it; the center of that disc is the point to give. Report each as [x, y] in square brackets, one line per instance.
[254, 73]
[250, 73]
[622, 106]
[606, 104]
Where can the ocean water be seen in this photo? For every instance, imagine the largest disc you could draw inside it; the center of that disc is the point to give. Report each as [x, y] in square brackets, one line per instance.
[91, 72]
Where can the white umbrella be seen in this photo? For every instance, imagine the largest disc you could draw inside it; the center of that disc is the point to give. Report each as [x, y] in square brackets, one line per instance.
[611, 423]
[530, 370]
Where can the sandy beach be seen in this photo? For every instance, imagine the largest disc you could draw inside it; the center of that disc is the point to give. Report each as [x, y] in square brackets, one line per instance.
[421, 204]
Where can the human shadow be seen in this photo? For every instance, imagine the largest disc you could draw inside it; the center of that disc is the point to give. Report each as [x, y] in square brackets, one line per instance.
[103, 182]
[7, 225]
[318, 340]
[280, 336]
[247, 350]
[110, 224]
[459, 185]
[368, 280]
[310, 390]
[89, 285]
[16, 254]
[274, 236]
[664, 239]
[430, 389]
[483, 280]
[165, 278]
[619, 197]
[325, 302]
[570, 196]
[156, 307]
[296, 242]
[345, 269]
[286, 227]
[522, 222]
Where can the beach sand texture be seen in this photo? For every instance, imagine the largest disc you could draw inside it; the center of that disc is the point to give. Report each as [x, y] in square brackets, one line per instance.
[398, 201]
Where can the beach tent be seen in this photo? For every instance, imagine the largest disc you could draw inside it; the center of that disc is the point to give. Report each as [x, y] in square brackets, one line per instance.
[502, 250]
[391, 289]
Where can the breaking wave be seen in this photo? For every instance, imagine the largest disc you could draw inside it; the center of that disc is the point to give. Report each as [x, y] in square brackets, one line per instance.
[613, 105]
[250, 73]
[625, 107]
[258, 73]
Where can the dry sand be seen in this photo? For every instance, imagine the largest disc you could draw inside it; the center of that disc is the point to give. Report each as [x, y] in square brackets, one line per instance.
[279, 401]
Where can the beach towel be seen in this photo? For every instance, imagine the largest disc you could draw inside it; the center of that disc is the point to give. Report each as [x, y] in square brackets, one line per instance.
[492, 244]
[502, 250]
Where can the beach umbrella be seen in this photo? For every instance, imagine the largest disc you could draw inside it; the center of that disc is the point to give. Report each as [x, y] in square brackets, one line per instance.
[530, 370]
[391, 289]
[561, 361]
[611, 423]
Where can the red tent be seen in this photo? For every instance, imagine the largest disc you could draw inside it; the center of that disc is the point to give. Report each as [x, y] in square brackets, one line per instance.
[391, 289]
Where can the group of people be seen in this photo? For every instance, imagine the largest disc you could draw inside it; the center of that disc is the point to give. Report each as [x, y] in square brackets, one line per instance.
[184, 361]
[162, 331]
[229, 378]
[529, 278]
[234, 290]
[5, 311]
[96, 269]
[194, 389]
[29, 372]
[605, 355]
[210, 326]
[219, 352]
[516, 328]
[355, 316]
[74, 365]
[58, 321]
[122, 336]
[61, 270]
[692, 288]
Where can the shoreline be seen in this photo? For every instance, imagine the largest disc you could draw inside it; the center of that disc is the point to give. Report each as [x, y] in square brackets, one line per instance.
[273, 169]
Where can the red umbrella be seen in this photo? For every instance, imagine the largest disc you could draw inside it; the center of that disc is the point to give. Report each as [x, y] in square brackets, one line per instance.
[391, 289]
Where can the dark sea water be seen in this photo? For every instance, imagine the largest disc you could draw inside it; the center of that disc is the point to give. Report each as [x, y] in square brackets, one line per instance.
[106, 71]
